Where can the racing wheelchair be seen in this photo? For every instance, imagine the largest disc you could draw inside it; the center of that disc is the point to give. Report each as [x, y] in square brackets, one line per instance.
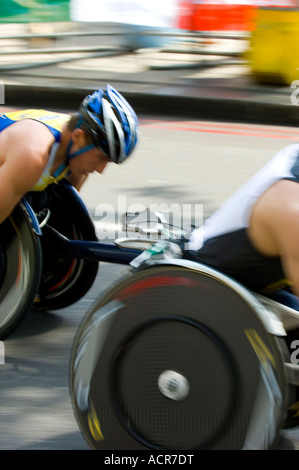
[175, 356]
[32, 271]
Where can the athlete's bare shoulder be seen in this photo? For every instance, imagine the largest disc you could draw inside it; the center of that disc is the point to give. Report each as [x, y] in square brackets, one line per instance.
[275, 218]
[26, 140]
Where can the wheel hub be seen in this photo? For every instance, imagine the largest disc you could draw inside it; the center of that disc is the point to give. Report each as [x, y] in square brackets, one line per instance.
[173, 385]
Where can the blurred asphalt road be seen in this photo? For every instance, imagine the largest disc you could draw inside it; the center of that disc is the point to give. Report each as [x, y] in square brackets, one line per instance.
[196, 77]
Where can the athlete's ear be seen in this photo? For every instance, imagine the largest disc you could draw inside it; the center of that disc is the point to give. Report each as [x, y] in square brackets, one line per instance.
[78, 137]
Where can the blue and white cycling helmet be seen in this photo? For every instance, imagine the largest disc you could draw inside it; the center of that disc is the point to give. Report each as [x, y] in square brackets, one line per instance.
[112, 123]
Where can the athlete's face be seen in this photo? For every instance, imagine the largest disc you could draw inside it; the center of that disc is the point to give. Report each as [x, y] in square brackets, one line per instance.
[88, 162]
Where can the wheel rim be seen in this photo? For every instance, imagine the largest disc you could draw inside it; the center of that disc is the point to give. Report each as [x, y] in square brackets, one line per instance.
[21, 268]
[119, 354]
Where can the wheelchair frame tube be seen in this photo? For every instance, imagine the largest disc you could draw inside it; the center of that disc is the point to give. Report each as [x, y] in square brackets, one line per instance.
[91, 250]
[100, 251]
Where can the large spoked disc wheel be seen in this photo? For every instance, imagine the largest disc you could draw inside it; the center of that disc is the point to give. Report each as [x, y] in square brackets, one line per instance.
[20, 269]
[176, 359]
[65, 280]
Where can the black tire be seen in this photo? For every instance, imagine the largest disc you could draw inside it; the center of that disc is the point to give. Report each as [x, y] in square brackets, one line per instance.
[65, 280]
[20, 266]
[178, 359]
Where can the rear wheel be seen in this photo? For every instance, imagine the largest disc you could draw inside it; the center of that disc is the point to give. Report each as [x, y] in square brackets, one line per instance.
[176, 358]
[65, 280]
[20, 269]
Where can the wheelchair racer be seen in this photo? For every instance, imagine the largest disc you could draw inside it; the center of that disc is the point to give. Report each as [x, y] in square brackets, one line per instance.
[38, 148]
[254, 236]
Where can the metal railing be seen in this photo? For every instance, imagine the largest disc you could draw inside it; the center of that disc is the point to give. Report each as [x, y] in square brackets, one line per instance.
[184, 38]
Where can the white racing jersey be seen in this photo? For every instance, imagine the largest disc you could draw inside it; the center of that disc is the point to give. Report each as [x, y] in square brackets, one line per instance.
[222, 242]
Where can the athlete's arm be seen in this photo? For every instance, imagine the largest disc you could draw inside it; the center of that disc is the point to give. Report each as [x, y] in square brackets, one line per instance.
[23, 151]
[274, 227]
[288, 243]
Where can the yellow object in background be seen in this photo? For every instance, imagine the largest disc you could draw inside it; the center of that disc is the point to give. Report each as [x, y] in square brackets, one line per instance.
[274, 46]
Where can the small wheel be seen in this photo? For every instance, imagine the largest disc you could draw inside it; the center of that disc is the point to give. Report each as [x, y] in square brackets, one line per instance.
[20, 269]
[65, 280]
[176, 358]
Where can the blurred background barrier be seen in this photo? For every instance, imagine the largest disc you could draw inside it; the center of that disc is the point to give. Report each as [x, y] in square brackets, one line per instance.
[193, 15]
[29, 11]
[270, 29]
[133, 17]
[62, 29]
[217, 15]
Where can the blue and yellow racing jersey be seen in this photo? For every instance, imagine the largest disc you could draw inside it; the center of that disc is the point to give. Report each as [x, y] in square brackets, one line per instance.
[54, 122]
